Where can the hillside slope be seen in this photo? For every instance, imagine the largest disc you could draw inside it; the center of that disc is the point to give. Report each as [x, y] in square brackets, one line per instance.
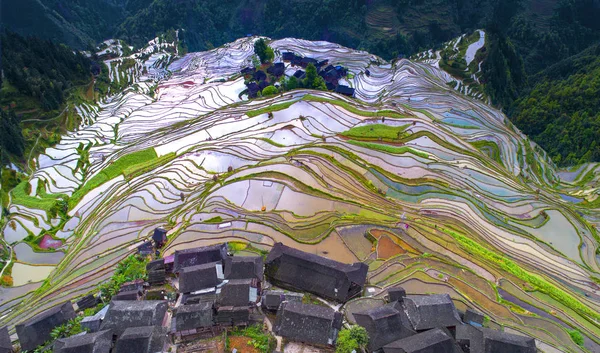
[459, 202]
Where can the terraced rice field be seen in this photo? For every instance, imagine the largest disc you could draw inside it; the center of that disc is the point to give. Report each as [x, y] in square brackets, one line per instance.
[428, 208]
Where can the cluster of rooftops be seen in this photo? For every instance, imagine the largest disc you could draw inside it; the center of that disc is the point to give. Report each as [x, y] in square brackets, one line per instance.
[215, 290]
[331, 74]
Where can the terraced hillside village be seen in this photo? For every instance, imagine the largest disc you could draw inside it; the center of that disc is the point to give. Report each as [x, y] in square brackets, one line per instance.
[416, 176]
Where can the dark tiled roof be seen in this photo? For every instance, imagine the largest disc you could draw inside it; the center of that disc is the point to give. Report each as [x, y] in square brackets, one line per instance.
[232, 315]
[248, 70]
[260, 75]
[193, 316]
[287, 56]
[124, 314]
[236, 292]
[299, 74]
[199, 256]
[435, 341]
[384, 324]
[127, 295]
[146, 248]
[155, 265]
[98, 342]
[313, 324]
[5, 342]
[430, 311]
[240, 267]
[291, 268]
[146, 339]
[500, 341]
[345, 90]
[396, 294]
[159, 235]
[272, 299]
[89, 301]
[276, 69]
[36, 330]
[198, 277]
[469, 338]
[473, 317]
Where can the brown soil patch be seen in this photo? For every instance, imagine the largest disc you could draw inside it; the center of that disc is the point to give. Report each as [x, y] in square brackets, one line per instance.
[386, 248]
[393, 241]
[241, 344]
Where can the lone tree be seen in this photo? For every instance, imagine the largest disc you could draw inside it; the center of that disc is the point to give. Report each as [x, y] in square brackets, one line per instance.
[352, 339]
[313, 80]
[264, 52]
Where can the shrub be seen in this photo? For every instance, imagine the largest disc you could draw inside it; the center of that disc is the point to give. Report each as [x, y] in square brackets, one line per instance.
[269, 90]
[6, 281]
[577, 337]
[352, 339]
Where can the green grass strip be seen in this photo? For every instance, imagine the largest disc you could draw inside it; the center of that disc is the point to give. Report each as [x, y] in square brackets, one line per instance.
[352, 109]
[388, 148]
[376, 131]
[141, 168]
[270, 108]
[129, 161]
[20, 196]
[537, 281]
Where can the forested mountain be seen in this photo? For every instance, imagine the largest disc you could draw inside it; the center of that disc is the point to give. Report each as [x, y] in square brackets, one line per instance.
[38, 77]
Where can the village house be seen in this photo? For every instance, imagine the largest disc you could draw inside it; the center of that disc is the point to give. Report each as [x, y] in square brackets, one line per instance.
[5, 342]
[159, 237]
[426, 312]
[199, 256]
[384, 324]
[199, 277]
[242, 267]
[271, 299]
[188, 319]
[98, 342]
[143, 339]
[124, 314]
[308, 323]
[436, 340]
[297, 270]
[36, 330]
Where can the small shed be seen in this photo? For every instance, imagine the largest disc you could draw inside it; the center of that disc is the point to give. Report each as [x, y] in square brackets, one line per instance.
[345, 90]
[159, 237]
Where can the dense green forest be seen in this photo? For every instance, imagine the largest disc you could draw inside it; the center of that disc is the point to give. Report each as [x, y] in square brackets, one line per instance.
[39, 75]
[545, 75]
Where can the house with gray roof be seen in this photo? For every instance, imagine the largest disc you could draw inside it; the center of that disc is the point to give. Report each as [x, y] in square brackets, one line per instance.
[308, 323]
[98, 342]
[474, 339]
[243, 267]
[293, 269]
[5, 341]
[36, 330]
[144, 339]
[430, 311]
[384, 324]
[194, 316]
[198, 277]
[271, 299]
[238, 292]
[431, 341]
[199, 256]
[124, 314]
